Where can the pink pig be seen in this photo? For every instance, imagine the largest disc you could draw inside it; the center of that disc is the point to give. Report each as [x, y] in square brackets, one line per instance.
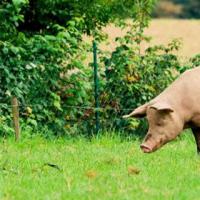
[176, 108]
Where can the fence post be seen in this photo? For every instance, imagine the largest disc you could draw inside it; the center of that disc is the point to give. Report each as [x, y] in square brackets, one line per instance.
[15, 113]
[96, 87]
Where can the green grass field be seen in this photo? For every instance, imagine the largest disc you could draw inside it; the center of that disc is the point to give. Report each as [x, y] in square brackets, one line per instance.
[105, 167]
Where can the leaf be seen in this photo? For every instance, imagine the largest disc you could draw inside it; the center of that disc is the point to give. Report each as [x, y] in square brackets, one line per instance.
[72, 23]
[33, 122]
[29, 110]
[64, 34]
[57, 105]
[91, 174]
[8, 93]
[15, 50]
[17, 3]
[5, 50]
[133, 171]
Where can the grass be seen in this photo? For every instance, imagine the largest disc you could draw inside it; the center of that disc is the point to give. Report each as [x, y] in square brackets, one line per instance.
[106, 167]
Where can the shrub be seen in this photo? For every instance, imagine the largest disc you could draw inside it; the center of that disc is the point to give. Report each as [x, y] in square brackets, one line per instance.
[133, 78]
[42, 58]
[36, 69]
[42, 63]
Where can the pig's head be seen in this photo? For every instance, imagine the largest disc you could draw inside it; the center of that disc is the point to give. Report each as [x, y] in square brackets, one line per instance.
[164, 124]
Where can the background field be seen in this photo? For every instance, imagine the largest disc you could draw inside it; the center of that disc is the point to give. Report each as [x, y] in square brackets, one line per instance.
[163, 31]
[107, 167]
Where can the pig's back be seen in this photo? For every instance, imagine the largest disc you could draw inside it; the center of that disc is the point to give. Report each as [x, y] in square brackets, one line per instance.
[184, 90]
[189, 82]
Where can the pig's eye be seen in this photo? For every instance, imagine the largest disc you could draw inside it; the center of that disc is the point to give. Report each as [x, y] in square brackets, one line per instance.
[159, 124]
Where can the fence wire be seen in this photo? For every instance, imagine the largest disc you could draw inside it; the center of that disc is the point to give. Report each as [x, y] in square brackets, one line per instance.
[103, 112]
[2, 105]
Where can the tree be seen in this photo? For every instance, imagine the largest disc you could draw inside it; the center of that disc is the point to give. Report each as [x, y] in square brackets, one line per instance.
[192, 9]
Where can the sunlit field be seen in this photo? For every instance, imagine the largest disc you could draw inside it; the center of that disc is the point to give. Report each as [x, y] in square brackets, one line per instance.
[105, 167]
[163, 31]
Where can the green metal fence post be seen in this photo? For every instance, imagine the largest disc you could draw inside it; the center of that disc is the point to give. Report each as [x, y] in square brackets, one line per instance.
[96, 87]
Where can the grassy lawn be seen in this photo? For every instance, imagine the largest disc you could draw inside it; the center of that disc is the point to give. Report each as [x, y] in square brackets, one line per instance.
[103, 168]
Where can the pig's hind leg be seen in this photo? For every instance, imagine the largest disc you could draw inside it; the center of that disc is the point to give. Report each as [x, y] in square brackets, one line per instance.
[196, 132]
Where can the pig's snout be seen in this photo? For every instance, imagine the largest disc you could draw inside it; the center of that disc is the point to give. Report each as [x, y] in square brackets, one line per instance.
[145, 148]
[147, 145]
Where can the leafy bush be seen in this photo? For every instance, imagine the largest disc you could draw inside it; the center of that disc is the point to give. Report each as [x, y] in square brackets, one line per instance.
[43, 64]
[45, 72]
[40, 15]
[38, 73]
[133, 78]
[42, 58]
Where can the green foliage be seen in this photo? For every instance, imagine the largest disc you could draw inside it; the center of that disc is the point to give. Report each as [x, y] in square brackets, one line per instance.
[37, 73]
[192, 9]
[91, 15]
[43, 62]
[133, 78]
[10, 17]
[195, 61]
[44, 71]
[42, 57]
[5, 126]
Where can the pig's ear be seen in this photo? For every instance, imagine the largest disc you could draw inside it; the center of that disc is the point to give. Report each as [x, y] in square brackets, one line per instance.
[138, 112]
[162, 106]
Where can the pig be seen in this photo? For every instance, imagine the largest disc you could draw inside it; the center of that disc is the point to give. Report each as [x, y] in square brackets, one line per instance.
[174, 109]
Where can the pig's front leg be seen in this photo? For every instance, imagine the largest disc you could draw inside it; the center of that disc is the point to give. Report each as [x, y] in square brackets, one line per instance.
[196, 132]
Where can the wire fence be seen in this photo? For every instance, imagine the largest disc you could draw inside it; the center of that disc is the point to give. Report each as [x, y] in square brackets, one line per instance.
[103, 112]
[96, 98]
